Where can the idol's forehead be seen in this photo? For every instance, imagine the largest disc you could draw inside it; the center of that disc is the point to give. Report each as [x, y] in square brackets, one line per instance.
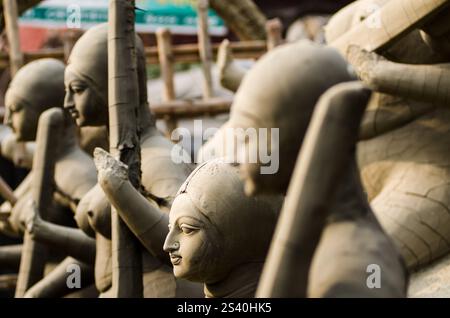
[70, 75]
[13, 99]
[184, 207]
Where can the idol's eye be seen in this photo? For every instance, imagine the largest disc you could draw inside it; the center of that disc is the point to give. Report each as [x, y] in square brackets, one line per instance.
[188, 229]
[14, 108]
[77, 88]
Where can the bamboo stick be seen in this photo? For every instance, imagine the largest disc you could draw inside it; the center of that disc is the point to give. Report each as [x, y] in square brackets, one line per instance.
[183, 53]
[190, 109]
[204, 45]
[164, 41]
[12, 32]
[274, 30]
[165, 55]
[124, 140]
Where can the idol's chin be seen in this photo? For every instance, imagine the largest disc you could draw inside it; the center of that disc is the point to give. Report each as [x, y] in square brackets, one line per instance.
[80, 122]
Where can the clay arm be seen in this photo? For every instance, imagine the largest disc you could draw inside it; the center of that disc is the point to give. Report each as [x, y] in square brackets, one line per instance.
[230, 74]
[334, 125]
[65, 239]
[10, 256]
[55, 284]
[9, 217]
[21, 154]
[146, 221]
[23, 188]
[427, 83]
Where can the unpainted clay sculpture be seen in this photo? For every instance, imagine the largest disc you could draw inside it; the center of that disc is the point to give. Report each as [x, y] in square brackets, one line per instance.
[87, 100]
[285, 79]
[44, 88]
[311, 209]
[71, 240]
[404, 157]
[35, 254]
[38, 86]
[327, 236]
[230, 74]
[210, 240]
[10, 256]
[19, 153]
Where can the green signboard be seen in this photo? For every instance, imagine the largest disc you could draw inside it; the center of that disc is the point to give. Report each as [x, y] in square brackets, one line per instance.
[178, 15]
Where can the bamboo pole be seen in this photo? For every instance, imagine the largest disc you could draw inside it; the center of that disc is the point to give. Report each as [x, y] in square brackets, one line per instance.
[12, 32]
[190, 109]
[204, 45]
[124, 140]
[166, 58]
[165, 54]
[274, 30]
[34, 255]
[183, 53]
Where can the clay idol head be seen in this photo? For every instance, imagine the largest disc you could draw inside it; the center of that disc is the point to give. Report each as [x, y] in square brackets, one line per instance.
[36, 87]
[215, 227]
[86, 77]
[278, 96]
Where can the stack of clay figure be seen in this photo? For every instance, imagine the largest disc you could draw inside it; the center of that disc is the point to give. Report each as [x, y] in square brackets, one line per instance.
[360, 199]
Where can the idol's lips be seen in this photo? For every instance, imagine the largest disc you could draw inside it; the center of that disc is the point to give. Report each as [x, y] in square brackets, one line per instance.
[73, 113]
[175, 259]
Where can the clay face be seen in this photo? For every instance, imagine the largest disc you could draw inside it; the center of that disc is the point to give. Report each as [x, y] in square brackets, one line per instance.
[210, 220]
[280, 92]
[86, 78]
[37, 86]
[21, 118]
[190, 243]
[83, 102]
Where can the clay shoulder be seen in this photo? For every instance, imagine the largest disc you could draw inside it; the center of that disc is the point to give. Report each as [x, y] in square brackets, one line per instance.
[161, 175]
[75, 173]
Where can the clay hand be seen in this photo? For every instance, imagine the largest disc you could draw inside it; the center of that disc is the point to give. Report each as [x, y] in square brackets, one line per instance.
[33, 220]
[7, 229]
[110, 171]
[224, 57]
[365, 64]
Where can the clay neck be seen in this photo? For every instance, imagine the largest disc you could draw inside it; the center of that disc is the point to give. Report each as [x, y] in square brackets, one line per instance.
[146, 123]
[240, 283]
[69, 137]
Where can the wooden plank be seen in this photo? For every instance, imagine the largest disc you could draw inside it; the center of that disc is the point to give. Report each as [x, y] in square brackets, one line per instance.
[388, 24]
